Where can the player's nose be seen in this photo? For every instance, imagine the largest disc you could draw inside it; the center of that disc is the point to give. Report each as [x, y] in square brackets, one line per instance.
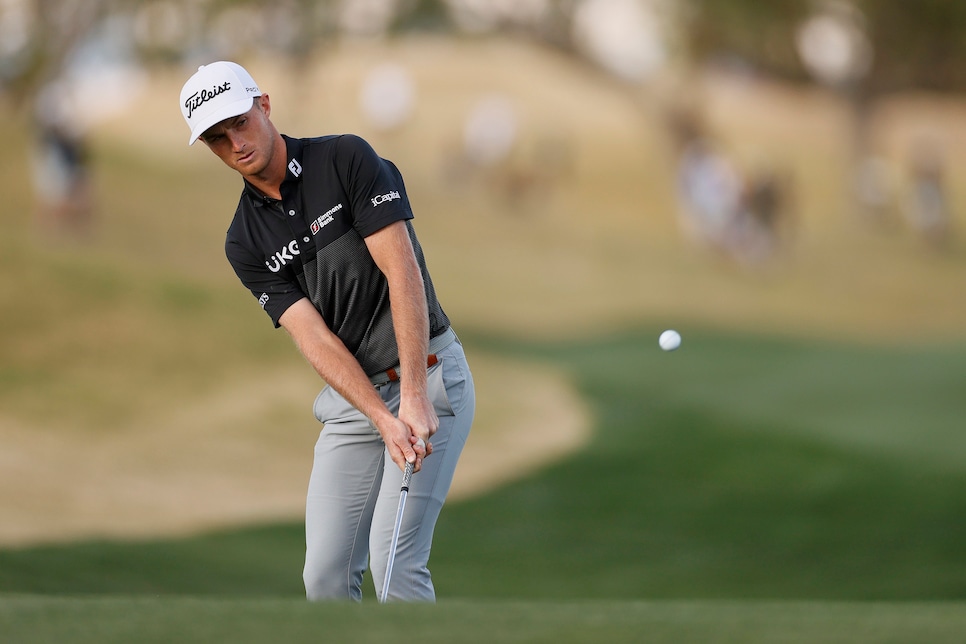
[237, 141]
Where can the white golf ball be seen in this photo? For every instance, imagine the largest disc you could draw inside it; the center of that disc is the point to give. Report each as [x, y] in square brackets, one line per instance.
[670, 340]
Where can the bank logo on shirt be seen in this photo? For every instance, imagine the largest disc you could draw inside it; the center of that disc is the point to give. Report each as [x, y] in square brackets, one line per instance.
[389, 196]
[325, 219]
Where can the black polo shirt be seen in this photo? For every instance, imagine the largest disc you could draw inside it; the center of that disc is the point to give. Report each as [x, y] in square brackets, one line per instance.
[336, 192]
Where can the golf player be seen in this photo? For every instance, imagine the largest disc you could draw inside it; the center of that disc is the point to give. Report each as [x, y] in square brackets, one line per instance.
[323, 238]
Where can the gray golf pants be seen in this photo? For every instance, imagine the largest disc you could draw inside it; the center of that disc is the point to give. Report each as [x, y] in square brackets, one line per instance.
[353, 492]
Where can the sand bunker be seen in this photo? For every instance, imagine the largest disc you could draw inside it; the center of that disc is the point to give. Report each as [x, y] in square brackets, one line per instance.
[243, 456]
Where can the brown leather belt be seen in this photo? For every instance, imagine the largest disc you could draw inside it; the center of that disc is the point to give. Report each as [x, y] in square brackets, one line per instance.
[393, 375]
[436, 346]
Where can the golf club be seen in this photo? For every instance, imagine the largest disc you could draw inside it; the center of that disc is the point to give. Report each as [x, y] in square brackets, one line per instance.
[403, 493]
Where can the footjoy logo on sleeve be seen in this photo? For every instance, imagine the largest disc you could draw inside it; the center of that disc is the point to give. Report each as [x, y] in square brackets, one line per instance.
[389, 196]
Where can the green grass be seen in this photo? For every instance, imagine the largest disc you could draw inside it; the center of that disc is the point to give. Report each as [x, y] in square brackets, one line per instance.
[257, 561]
[735, 467]
[700, 511]
[28, 619]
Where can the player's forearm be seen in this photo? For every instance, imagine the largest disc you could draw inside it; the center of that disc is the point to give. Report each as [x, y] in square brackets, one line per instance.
[409, 314]
[334, 363]
[341, 371]
[393, 252]
[339, 368]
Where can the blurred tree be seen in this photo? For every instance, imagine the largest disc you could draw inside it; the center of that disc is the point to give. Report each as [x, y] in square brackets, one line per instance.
[760, 33]
[915, 45]
[896, 45]
[864, 49]
[50, 30]
[918, 44]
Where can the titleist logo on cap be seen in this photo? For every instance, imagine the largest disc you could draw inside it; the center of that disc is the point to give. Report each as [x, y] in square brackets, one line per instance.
[219, 91]
[198, 99]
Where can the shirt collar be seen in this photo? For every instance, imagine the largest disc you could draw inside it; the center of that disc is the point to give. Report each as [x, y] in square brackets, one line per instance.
[293, 173]
[293, 148]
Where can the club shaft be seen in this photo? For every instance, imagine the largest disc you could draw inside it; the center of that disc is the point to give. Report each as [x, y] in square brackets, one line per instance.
[403, 493]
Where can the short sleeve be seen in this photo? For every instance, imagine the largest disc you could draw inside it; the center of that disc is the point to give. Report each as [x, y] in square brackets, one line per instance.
[273, 291]
[374, 186]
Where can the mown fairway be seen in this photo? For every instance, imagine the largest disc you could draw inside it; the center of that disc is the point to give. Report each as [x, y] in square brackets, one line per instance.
[738, 468]
[192, 620]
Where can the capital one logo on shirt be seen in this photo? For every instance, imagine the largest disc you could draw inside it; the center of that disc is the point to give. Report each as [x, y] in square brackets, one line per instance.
[283, 257]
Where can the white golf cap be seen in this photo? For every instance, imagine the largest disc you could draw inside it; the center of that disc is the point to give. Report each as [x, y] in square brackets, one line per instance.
[216, 92]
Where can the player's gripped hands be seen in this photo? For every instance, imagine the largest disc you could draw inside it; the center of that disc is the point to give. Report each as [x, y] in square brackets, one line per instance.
[402, 445]
[420, 415]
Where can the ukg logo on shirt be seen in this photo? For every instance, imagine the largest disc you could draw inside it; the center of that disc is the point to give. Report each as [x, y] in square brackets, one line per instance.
[283, 257]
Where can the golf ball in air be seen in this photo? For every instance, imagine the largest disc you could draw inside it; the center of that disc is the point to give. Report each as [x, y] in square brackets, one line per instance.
[670, 340]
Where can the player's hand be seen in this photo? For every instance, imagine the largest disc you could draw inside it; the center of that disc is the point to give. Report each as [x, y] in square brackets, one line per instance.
[419, 414]
[402, 445]
[422, 449]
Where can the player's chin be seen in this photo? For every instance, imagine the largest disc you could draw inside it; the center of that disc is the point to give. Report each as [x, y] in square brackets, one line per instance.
[249, 165]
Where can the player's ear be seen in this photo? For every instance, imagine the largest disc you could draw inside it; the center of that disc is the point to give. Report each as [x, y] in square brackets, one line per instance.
[265, 104]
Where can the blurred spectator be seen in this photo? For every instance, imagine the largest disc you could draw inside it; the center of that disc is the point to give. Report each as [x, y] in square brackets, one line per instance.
[926, 206]
[767, 217]
[388, 96]
[740, 214]
[498, 153]
[711, 190]
[490, 131]
[487, 141]
[535, 175]
[874, 190]
[61, 166]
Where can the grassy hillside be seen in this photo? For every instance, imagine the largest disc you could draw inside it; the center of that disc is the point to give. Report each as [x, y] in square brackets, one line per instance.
[594, 247]
[148, 306]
